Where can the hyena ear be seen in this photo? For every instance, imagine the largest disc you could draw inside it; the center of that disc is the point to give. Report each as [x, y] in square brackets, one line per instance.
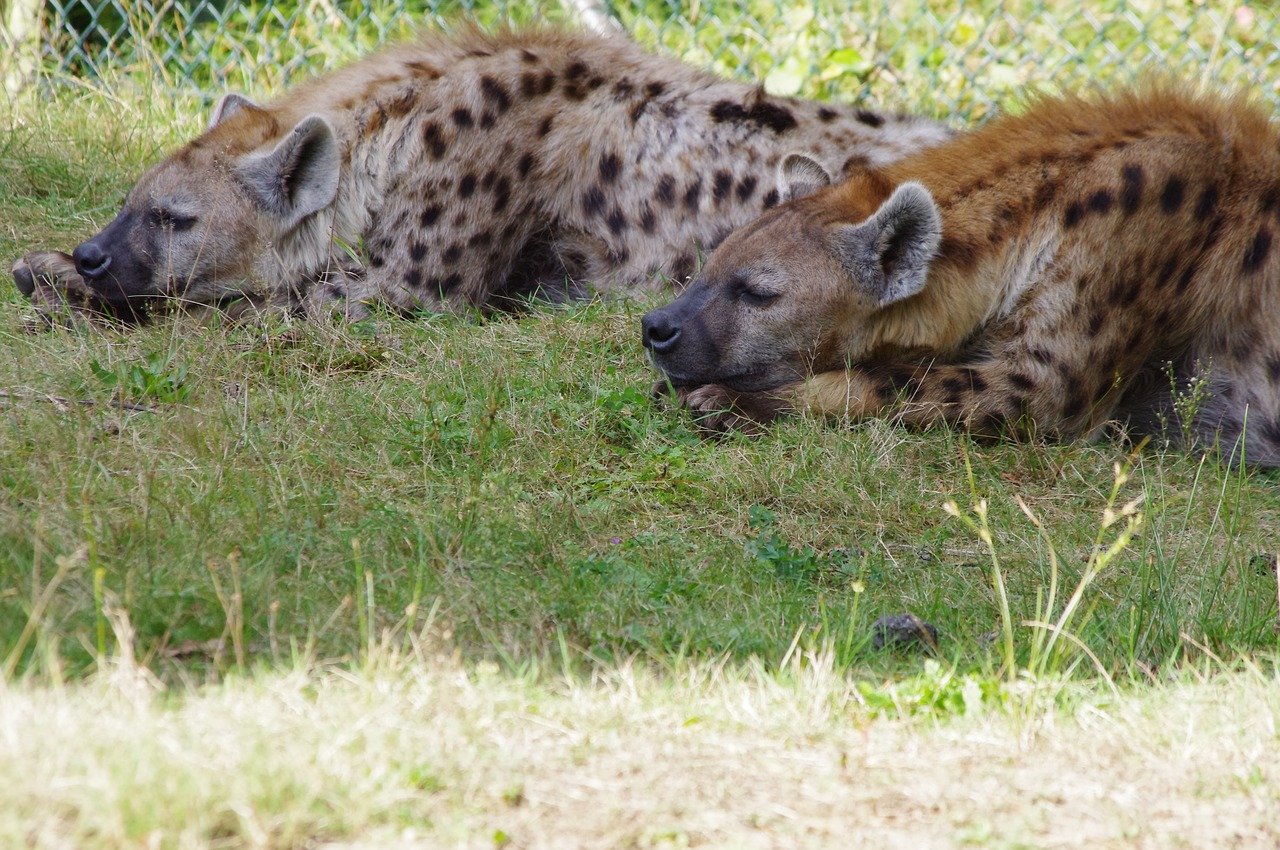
[888, 255]
[229, 105]
[799, 175]
[299, 177]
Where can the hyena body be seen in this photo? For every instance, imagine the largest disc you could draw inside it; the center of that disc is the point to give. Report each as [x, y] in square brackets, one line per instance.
[467, 168]
[1090, 261]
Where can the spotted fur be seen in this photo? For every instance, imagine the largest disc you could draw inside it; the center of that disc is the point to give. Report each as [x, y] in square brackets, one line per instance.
[1087, 262]
[470, 169]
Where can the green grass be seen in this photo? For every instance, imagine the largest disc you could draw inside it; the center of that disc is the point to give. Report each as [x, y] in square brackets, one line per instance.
[303, 487]
[298, 511]
[947, 59]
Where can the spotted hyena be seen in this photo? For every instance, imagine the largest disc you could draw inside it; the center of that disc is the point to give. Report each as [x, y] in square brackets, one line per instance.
[462, 170]
[1090, 261]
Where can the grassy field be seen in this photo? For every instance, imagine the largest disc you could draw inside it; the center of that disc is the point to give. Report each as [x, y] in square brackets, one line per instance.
[465, 583]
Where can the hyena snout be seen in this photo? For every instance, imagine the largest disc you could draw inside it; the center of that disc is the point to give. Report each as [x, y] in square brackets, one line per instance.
[92, 260]
[660, 331]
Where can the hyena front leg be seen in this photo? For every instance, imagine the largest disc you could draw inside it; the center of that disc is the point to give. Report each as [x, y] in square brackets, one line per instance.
[1015, 388]
[49, 280]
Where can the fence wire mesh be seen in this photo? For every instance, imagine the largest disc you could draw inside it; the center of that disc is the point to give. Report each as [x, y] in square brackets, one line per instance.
[947, 58]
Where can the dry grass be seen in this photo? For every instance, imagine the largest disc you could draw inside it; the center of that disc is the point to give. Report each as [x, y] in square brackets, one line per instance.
[425, 751]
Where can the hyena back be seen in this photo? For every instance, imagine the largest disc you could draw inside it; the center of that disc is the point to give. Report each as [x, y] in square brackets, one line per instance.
[467, 168]
[1090, 261]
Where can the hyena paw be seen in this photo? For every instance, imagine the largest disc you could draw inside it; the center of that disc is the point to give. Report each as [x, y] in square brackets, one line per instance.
[49, 280]
[718, 410]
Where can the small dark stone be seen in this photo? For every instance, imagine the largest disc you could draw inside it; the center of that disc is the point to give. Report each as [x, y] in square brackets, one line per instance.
[1263, 565]
[903, 631]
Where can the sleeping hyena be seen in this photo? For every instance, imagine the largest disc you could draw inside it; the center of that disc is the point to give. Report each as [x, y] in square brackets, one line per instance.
[462, 170]
[1090, 261]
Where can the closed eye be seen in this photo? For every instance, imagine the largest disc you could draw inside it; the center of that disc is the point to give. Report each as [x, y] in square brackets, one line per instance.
[171, 220]
[744, 292]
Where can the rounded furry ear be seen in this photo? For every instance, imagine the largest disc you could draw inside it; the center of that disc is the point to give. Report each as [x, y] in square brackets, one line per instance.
[299, 177]
[799, 175]
[229, 105]
[888, 255]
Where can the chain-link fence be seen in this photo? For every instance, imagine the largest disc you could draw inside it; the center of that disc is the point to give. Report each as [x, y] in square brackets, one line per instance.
[947, 58]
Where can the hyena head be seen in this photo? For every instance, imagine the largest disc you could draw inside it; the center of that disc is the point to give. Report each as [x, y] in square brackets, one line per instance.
[798, 291]
[197, 224]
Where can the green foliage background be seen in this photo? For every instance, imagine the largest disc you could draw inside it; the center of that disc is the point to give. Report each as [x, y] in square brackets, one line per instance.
[945, 58]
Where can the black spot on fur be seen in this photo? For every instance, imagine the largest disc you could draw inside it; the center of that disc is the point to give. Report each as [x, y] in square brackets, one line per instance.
[450, 283]
[720, 185]
[648, 221]
[417, 251]
[1184, 280]
[1258, 251]
[1171, 197]
[501, 194]
[467, 185]
[610, 167]
[871, 119]
[462, 117]
[693, 195]
[1045, 193]
[574, 86]
[593, 201]
[666, 191]
[1270, 201]
[545, 127]
[486, 182]
[433, 140]
[1132, 178]
[1073, 214]
[1021, 382]
[826, 115]
[746, 188]
[488, 119]
[1165, 276]
[1211, 234]
[1208, 202]
[771, 199]
[1075, 402]
[655, 89]
[1101, 201]
[527, 162]
[451, 254]
[480, 240]
[430, 215]
[1042, 355]
[1273, 368]
[976, 382]
[413, 278]
[616, 220]
[495, 93]
[528, 56]
[763, 114]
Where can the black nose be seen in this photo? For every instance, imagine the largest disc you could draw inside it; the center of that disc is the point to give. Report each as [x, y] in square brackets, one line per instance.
[91, 261]
[660, 331]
